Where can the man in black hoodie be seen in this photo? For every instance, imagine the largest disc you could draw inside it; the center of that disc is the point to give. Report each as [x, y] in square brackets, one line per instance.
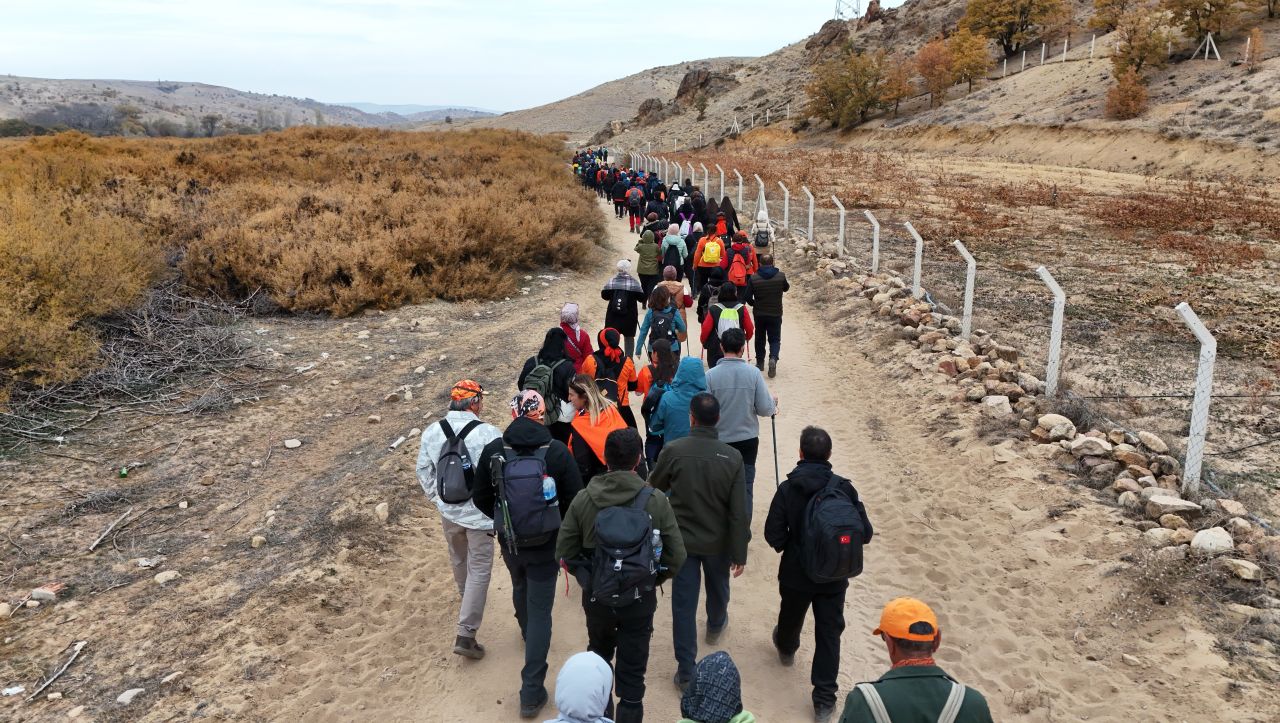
[533, 569]
[764, 293]
[784, 530]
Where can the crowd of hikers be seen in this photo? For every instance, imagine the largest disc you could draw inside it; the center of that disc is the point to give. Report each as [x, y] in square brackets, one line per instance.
[572, 486]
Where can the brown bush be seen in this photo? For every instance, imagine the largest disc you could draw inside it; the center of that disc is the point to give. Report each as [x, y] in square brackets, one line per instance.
[1128, 97]
[332, 219]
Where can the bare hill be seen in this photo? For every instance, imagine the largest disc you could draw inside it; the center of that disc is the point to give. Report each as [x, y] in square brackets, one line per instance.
[52, 102]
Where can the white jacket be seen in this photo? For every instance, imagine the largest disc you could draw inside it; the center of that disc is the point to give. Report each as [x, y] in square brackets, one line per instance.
[432, 446]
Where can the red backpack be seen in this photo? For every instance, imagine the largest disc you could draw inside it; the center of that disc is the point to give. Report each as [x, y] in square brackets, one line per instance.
[738, 269]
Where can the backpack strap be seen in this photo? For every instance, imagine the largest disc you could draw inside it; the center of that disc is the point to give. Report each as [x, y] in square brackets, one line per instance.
[954, 702]
[465, 430]
[874, 702]
[642, 498]
[448, 430]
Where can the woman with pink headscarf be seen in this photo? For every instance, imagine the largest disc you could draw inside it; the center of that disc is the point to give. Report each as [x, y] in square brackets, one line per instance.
[578, 344]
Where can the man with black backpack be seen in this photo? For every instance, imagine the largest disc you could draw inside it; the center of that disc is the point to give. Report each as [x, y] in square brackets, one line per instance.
[819, 525]
[447, 459]
[621, 541]
[525, 482]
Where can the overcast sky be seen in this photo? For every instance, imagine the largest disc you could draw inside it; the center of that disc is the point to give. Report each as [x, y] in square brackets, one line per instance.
[501, 54]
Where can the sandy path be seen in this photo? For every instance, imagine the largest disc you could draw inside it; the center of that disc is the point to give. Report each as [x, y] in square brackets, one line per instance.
[1023, 597]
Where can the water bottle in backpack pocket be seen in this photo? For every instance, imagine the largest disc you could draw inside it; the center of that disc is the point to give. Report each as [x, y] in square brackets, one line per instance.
[529, 511]
[455, 476]
[831, 546]
[623, 565]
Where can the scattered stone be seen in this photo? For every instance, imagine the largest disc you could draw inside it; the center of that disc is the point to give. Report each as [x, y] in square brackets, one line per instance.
[420, 370]
[408, 394]
[996, 406]
[1060, 432]
[1173, 522]
[374, 419]
[1158, 537]
[1184, 536]
[257, 541]
[127, 697]
[1240, 529]
[1136, 459]
[975, 394]
[167, 576]
[1172, 553]
[292, 443]
[170, 677]
[1131, 660]
[1165, 465]
[1242, 569]
[1233, 508]
[362, 334]
[1244, 613]
[33, 604]
[209, 479]
[1006, 353]
[5, 610]
[1116, 436]
[383, 511]
[1090, 446]
[1212, 541]
[1160, 505]
[391, 398]
[1124, 484]
[53, 696]
[1145, 525]
[1049, 421]
[1153, 443]
[183, 505]
[1130, 501]
[948, 367]
[46, 593]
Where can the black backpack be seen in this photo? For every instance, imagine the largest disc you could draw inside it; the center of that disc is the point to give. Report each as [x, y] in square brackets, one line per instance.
[618, 301]
[607, 374]
[831, 544]
[525, 517]
[671, 257]
[623, 565]
[455, 475]
[664, 327]
[762, 238]
[652, 400]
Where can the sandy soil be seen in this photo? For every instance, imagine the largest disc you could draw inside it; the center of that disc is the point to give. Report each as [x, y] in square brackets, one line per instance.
[339, 617]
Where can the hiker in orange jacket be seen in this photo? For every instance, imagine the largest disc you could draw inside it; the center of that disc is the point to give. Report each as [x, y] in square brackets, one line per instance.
[614, 372]
[710, 255]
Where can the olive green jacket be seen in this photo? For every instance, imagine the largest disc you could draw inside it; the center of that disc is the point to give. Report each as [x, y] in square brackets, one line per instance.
[915, 694]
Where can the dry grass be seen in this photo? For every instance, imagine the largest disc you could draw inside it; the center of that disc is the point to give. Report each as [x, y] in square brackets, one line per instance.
[332, 220]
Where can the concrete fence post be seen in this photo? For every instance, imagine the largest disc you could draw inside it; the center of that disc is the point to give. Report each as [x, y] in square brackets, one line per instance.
[762, 203]
[1044, 48]
[1200, 404]
[875, 241]
[1005, 71]
[786, 206]
[840, 236]
[706, 179]
[721, 170]
[739, 175]
[1055, 332]
[810, 195]
[915, 274]
[1092, 42]
[1024, 61]
[966, 321]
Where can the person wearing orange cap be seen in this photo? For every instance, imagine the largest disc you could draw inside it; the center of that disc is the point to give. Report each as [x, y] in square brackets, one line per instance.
[468, 532]
[915, 690]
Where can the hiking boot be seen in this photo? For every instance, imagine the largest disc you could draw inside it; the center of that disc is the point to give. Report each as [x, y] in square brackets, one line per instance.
[468, 648]
[531, 710]
[787, 659]
[822, 714]
[713, 636]
[773, 368]
[760, 364]
[681, 683]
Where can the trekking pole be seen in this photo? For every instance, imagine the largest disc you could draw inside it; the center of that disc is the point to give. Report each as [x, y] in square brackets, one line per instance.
[777, 476]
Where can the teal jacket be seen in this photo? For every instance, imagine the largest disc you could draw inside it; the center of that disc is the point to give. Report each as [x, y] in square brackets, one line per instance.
[915, 694]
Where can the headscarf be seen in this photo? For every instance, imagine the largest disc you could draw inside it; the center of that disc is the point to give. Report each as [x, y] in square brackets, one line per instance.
[609, 339]
[715, 694]
[697, 226]
[583, 689]
[528, 404]
[569, 315]
[553, 345]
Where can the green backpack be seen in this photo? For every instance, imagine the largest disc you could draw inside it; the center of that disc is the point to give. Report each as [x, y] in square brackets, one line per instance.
[541, 380]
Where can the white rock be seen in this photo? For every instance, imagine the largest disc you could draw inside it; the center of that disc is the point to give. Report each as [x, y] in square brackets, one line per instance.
[420, 370]
[383, 511]
[996, 406]
[1160, 505]
[167, 576]
[1233, 508]
[53, 696]
[257, 541]
[1173, 552]
[1129, 500]
[1212, 540]
[1049, 421]
[5, 610]
[414, 432]
[1090, 447]
[33, 603]
[43, 595]
[1131, 660]
[292, 443]
[127, 697]
[408, 394]
[1158, 537]
[1153, 443]
[1243, 569]
[170, 677]
[1059, 432]
[183, 505]
[374, 419]
[1152, 491]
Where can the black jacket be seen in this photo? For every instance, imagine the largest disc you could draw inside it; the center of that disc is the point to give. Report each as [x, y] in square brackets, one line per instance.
[620, 191]
[525, 435]
[765, 289]
[783, 527]
[559, 379]
[626, 320]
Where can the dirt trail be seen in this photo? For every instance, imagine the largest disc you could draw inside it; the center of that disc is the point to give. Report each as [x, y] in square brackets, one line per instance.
[1024, 598]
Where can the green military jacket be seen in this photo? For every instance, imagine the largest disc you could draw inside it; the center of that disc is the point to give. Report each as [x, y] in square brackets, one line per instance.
[915, 694]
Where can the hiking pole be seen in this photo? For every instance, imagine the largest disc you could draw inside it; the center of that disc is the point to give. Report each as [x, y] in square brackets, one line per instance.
[777, 476]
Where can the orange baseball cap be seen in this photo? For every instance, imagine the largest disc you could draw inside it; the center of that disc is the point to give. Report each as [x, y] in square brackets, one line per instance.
[899, 615]
[466, 389]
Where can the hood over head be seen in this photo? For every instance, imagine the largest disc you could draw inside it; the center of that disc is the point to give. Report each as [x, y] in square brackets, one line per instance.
[583, 689]
[690, 376]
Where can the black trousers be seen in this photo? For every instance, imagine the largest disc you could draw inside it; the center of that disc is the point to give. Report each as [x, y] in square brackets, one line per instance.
[828, 625]
[768, 328]
[625, 631]
[533, 592]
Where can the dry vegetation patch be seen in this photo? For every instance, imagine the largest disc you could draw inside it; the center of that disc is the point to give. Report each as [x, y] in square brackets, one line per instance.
[328, 220]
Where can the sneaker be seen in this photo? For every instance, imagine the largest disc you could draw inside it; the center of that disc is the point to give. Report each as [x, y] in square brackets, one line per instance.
[532, 710]
[760, 364]
[822, 714]
[713, 636]
[468, 648]
[773, 368]
[681, 683]
[787, 659]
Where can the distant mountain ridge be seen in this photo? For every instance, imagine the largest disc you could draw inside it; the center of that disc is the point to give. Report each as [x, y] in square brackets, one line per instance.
[411, 109]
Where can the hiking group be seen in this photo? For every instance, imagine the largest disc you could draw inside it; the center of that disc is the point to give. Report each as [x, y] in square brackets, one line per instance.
[571, 486]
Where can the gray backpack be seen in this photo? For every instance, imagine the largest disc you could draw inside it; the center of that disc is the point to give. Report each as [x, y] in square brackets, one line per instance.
[455, 475]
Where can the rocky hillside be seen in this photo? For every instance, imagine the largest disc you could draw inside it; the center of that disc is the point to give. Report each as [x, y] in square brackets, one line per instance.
[99, 105]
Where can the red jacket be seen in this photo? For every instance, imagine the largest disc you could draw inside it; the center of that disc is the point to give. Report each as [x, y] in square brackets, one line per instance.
[709, 323]
[577, 346]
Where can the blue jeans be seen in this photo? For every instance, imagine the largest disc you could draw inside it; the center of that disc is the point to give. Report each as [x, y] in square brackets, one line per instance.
[685, 589]
[533, 591]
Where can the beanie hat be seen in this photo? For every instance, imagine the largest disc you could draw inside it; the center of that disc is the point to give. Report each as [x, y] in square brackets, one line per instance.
[715, 694]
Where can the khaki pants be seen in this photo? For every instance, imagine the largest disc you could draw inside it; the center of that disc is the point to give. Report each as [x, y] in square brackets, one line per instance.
[471, 556]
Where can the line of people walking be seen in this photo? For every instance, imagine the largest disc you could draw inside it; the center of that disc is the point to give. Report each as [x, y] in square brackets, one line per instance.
[572, 487]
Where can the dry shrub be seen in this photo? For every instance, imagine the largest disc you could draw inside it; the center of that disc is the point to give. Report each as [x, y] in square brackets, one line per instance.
[329, 219]
[1127, 98]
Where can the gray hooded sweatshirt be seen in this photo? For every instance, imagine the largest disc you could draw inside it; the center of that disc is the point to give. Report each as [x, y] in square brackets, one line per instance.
[744, 398]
